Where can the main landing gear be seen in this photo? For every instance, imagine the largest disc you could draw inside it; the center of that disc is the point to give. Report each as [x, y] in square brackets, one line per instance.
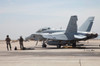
[59, 46]
[44, 45]
[74, 44]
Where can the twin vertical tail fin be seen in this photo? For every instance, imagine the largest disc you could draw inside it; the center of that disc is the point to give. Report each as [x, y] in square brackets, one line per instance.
[71, 28]
[87, 25]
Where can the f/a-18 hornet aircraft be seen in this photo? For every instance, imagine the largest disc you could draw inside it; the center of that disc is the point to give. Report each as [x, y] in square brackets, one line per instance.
[69, 36]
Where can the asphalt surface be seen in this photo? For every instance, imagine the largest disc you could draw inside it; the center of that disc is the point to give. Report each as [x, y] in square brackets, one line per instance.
[87, 55]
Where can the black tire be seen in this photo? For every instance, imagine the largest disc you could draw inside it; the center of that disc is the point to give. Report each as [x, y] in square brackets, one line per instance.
[58, 46]
[74, 45]
[44, 46]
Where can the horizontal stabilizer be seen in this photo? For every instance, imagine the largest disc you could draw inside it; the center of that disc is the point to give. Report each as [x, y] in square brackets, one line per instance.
[79, 36]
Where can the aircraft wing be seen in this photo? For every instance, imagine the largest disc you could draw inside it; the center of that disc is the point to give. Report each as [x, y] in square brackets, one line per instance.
[55, 37]
[62, 37]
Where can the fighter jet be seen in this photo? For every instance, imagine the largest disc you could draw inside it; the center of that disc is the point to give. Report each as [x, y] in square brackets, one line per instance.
[43, 30]
[86, 27]
[71, 35]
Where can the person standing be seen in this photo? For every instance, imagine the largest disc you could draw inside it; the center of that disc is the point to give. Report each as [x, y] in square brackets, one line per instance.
[21, 42]
[8, 42]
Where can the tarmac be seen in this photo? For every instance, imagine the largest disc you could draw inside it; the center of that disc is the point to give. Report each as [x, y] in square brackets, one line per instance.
[87, 55]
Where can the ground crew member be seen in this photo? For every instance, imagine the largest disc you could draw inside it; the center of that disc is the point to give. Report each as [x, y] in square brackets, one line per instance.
[8, 42]
[21, 42]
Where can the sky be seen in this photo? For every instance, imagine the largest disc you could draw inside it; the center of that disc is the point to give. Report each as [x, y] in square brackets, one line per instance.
[25, 17]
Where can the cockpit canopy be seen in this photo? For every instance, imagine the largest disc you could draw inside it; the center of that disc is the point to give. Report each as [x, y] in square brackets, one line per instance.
[43, 29]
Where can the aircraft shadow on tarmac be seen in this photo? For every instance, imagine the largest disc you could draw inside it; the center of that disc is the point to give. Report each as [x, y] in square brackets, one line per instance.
[28, 48]
[79, 46]
[31, 48]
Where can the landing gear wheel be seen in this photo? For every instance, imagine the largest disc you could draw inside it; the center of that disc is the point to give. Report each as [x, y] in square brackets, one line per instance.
[74, 45]
[58, 46]
[44, 45]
